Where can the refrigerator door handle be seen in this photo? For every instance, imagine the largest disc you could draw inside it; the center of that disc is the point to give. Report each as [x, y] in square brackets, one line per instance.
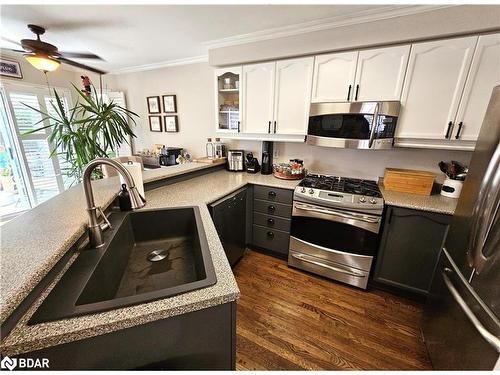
[487, 335]
[484, 213]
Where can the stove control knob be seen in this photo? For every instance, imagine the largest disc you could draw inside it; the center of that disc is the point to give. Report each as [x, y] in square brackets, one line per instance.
[373, 201]
[362, 199]
[311, 191]
[303, 190]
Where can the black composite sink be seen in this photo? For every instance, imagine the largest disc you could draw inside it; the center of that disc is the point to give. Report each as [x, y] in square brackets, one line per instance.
[148, 255]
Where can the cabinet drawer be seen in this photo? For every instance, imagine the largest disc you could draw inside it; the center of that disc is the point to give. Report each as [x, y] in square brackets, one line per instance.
[273, 194]
[271, 222]
[273, 208]
[271, 239]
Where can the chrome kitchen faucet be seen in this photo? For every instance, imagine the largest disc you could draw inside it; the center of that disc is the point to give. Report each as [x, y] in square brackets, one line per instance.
[96, 228]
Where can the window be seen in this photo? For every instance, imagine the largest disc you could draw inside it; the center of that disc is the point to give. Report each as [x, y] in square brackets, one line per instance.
[29, 174]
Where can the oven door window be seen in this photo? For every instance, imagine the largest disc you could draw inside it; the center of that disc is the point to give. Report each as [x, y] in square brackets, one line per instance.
[347, 126]
[335, 236]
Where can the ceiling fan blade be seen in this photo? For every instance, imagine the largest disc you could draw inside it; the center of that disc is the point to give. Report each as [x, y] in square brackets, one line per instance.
[82, 66]
[80, 55]
[14, 50]
[11, 41]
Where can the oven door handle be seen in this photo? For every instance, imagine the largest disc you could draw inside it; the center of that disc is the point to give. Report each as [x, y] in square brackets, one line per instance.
[367, 219]
[303, 258]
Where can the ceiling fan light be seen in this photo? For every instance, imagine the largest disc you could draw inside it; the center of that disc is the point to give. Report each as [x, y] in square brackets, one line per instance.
[42, 62]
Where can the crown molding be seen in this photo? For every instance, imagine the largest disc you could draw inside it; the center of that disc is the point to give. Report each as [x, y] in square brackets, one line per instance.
[371, 15]
[162, 64]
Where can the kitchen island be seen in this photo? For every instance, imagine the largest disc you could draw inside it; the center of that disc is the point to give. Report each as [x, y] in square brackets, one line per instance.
[196, 191]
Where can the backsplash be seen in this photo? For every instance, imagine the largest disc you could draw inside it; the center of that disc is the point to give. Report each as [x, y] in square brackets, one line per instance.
[368, 164]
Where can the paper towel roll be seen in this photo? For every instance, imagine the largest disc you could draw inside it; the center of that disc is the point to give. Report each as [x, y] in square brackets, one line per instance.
[135, 170]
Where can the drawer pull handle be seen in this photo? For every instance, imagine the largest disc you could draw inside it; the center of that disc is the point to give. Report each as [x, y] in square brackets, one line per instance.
[270, 234]
[270, 222]
[320, 264]
[271, 194]
[271, 208]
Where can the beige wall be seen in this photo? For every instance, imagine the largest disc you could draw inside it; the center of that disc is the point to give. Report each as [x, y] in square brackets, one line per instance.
[194, 87]
[368, 164]
[437, 23]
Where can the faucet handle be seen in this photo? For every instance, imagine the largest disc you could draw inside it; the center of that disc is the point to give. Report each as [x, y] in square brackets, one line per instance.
[107, 224]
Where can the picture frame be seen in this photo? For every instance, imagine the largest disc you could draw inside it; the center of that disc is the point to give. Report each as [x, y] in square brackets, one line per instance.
[171, 124]
[10, 68]
[169, 103]
[155, 123]
[153, 104]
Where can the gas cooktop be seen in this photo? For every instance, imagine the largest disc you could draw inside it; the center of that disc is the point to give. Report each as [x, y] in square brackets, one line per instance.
[340, 192]
[342, 184]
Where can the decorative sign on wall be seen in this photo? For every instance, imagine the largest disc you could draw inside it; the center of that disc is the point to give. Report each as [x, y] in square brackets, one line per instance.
[155, 123]
[169, 104]
[10, 68]
[171, 124]
[153, 104]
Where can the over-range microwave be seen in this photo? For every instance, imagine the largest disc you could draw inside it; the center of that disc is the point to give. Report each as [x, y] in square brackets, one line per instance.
[363, 125]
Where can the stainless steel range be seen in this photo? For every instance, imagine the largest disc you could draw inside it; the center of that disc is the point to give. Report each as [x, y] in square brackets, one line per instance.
[335, 227]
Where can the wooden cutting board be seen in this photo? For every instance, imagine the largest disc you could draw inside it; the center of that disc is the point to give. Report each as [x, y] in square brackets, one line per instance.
[211, 161]
[409, 181]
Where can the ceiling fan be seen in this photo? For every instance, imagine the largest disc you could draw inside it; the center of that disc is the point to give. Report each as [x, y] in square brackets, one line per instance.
[46, 57]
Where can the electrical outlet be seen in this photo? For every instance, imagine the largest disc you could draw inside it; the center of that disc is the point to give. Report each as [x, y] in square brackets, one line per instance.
[276, 153]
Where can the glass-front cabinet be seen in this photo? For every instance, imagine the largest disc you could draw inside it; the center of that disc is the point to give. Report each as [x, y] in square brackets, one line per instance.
[228, 107]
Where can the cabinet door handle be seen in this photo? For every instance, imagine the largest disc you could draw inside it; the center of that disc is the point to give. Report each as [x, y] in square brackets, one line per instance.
[275, 127]
[272, 194]
[270, 222]
[448, 131]
[460, 124]
[238, 126]
[349, 92]
[356, 95]
[271, 208]
[269, 128]
[270, 234]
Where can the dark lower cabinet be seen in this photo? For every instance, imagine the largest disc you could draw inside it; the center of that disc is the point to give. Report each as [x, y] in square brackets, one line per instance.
[229, 216]
[409, 249]
[199, 340]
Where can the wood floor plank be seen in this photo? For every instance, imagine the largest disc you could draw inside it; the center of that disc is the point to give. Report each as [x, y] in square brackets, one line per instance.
[289, 320]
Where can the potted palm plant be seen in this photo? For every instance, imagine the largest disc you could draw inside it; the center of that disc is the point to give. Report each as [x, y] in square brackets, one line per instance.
[90, 129]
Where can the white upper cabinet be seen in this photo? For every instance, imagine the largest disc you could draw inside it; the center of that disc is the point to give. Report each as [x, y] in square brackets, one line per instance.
[258, 97]
[380, 73]
[483, 76]
[334, 77]
[292, 95]
[434, 82]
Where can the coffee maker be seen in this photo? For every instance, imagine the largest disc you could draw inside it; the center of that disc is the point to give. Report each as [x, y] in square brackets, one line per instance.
[267, 158]
[252, 164]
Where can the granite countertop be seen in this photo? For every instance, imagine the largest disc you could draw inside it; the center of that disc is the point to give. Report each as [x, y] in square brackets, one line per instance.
[62, 221]
[431, 203]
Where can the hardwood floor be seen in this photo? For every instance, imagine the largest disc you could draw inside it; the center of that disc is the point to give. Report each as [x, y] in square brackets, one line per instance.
[291, 320]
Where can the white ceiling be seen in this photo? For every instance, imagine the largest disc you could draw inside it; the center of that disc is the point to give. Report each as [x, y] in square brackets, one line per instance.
[128, 36]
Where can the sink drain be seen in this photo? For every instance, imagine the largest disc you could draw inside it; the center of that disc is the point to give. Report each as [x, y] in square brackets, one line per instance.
[157, 255]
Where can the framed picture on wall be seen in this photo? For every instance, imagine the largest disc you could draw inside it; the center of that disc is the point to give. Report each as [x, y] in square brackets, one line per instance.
[154, 104]
[155, 123]
[169, 104]
[9, 68]
[171, 124]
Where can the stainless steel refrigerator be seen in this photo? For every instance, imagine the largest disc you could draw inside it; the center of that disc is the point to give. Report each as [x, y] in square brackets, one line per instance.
[461, 323]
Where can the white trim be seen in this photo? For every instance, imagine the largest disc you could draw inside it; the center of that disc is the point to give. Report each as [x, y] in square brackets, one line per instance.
[162, 64]
[386, 12]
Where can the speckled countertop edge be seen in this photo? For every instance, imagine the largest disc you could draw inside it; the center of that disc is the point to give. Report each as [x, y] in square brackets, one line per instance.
[197, 191]
[430, 203]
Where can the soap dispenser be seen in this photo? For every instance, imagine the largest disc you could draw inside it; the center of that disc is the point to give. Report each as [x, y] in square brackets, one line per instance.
[124, 199]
